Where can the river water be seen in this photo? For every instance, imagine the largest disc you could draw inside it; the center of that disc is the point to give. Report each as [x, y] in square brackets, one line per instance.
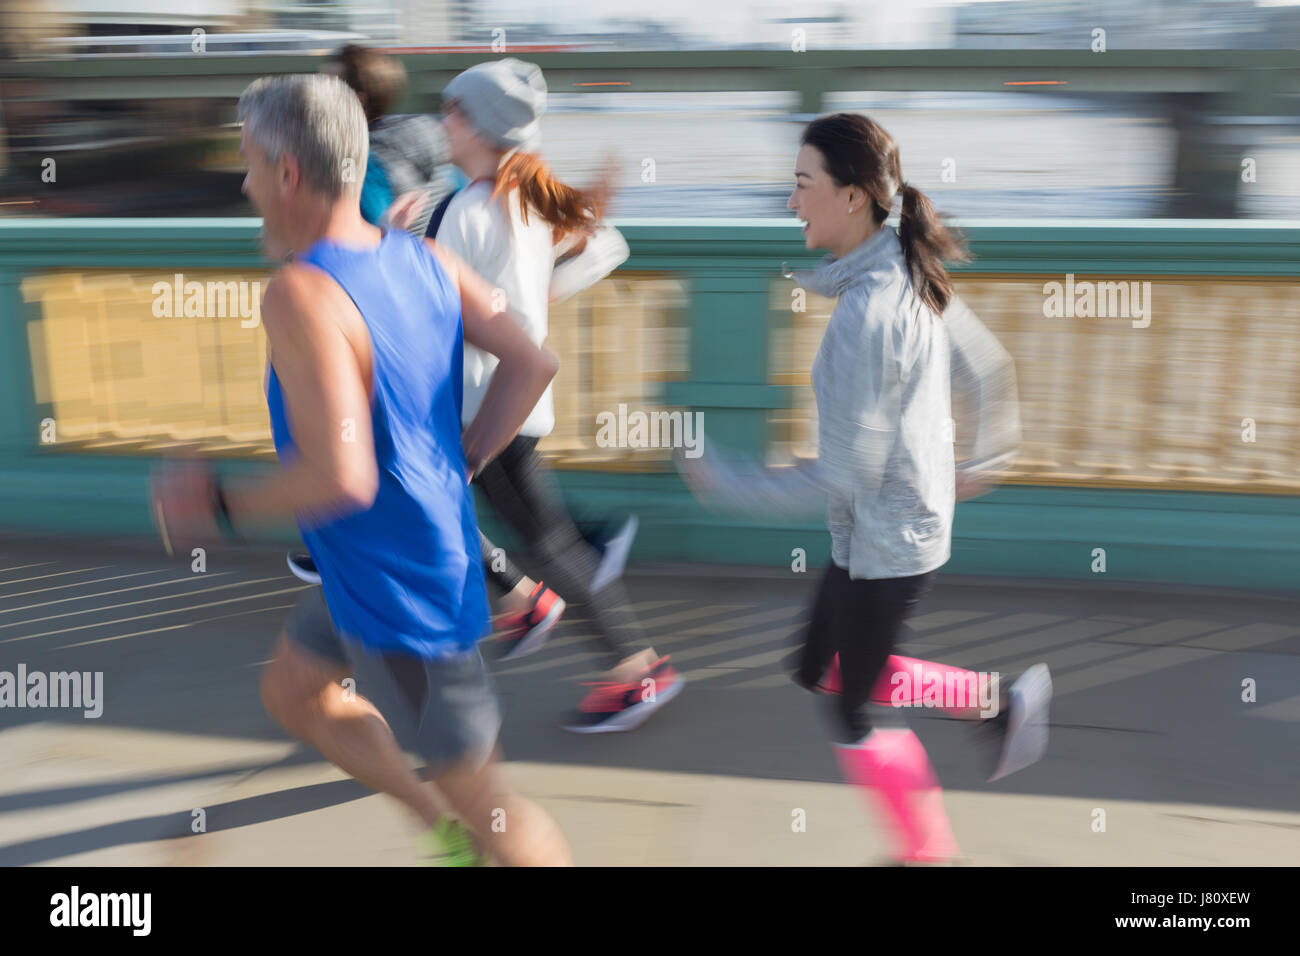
[1008, 155]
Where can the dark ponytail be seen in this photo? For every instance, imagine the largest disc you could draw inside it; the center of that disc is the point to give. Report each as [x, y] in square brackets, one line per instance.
[857, 151]
[927, 243]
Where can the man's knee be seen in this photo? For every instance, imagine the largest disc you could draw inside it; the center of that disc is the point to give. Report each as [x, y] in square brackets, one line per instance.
[293, 682]
[469, 781]
[279, 696]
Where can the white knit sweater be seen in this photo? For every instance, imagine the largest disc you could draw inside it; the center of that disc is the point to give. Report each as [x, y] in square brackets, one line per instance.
[521, 261]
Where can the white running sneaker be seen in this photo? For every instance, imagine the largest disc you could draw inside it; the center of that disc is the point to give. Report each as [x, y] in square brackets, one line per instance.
[615, 558]
[1026, 734]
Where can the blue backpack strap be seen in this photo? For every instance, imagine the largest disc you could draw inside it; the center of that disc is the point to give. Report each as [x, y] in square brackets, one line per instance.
[435, 220]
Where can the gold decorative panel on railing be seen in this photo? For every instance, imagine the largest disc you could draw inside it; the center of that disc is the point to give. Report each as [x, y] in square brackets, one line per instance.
[1199, 393]
[118, 376]
[618, 343]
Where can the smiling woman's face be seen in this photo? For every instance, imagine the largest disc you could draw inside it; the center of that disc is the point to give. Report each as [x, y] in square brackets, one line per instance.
[819, 201]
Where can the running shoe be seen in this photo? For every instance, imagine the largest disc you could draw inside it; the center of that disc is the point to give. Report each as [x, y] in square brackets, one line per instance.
[830, 682]
[1022, 727]
[303, 567]
[614, 558]
[524, 634]
[611, 706]
[449, 843]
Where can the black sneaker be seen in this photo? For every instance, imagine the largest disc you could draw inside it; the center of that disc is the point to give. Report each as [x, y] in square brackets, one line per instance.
[303, 567]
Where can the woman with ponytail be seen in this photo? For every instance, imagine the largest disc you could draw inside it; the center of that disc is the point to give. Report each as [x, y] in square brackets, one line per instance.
[538, 240]
[898, 344]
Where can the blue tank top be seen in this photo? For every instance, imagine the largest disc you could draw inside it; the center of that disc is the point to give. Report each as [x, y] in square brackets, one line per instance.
[405, 574]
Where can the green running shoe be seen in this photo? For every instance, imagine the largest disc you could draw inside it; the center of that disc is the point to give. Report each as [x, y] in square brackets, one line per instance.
[449, 843]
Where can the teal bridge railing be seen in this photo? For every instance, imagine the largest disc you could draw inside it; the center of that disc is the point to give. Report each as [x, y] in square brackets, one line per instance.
[1173, 448]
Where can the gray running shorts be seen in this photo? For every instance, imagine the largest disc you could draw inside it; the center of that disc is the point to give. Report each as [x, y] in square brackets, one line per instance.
[444, 709]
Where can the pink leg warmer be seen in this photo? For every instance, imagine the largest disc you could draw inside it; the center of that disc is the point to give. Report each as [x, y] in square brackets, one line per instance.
[919, 673]
[893, 765]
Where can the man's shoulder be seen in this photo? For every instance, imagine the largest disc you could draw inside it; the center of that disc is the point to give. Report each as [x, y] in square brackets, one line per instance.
[299, 292]
[294, 283]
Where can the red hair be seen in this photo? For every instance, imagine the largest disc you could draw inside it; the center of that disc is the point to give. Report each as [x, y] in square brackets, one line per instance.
[566, 209]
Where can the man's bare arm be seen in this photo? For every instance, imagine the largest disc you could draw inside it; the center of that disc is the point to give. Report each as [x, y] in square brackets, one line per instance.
[335, 470]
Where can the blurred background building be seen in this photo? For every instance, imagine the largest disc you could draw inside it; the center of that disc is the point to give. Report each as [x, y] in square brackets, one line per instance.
[86, 83]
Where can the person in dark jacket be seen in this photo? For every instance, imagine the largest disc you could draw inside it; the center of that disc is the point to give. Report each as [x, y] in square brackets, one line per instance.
[408, 170]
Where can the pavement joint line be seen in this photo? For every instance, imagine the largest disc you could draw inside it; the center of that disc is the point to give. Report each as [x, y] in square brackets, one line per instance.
[161, 630]
[151, 600]
[140, 617]
[20, 567]
[83, 597]
[183, 625]
[56, 574]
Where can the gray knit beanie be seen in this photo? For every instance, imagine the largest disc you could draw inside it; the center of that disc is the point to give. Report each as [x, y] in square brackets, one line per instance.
[504, 101]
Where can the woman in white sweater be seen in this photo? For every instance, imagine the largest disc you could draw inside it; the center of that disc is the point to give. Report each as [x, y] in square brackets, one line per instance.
[538, 241]
[897, 344]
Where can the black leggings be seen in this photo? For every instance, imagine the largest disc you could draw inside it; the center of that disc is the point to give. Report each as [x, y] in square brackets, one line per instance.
[497, 565]
[522, 491]
[861, 621]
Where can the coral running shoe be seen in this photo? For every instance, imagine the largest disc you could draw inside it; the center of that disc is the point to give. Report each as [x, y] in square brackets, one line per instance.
[524, 634]
[612, 706]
